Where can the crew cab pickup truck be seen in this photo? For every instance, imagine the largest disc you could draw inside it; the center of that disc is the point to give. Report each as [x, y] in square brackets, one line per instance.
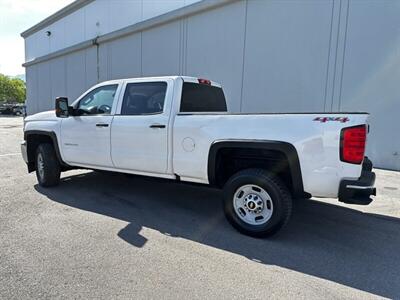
[178, 128]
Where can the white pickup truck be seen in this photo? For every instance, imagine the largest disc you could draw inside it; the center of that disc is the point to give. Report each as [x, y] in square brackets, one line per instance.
[178, 128]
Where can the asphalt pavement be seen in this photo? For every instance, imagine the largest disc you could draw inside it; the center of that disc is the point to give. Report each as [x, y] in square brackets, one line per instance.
[105, 235]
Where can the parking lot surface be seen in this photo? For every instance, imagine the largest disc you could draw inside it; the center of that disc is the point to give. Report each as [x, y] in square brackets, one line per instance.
[105, 235]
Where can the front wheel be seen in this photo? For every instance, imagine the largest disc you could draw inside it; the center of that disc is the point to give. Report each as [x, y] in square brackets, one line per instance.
[48, 168]
[257, 203]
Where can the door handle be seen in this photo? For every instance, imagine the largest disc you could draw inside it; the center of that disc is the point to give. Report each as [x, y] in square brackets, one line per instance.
[157, 126]
[101, 125]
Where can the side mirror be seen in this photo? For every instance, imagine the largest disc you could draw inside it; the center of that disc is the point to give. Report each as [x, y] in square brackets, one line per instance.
[62, 107]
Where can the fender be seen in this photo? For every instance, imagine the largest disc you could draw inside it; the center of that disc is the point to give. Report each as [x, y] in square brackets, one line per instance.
[53, 137]
[286, 148]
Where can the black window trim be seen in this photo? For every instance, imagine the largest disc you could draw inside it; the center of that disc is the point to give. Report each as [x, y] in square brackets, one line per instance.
[142, 114]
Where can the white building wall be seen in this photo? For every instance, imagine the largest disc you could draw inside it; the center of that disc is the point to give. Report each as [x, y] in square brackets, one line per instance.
[270, 56]
[123, 58]
[214, 48]
[161, 50]
[371, 75]
[286, 66]
[97, 18]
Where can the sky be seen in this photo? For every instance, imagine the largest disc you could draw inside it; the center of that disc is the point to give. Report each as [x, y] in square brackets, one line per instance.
[15, 17]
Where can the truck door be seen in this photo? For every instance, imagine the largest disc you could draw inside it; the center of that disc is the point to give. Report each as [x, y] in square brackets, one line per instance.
[85, 137]
[139, 131]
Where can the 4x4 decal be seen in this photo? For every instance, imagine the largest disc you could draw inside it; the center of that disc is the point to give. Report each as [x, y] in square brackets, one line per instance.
[328, 119]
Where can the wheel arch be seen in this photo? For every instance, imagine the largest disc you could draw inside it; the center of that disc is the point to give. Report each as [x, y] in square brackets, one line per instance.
[34, 138]
[286, 149]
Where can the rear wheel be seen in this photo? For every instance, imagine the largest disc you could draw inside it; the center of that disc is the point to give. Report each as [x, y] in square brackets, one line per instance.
[48, 168]
[257, 203]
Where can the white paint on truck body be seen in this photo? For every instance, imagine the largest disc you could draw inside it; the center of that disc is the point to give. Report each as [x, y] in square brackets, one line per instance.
[134, 147]
[317, 144]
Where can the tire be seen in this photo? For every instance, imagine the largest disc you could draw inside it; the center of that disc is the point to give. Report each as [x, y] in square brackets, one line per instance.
[48, 168]
[257, 203]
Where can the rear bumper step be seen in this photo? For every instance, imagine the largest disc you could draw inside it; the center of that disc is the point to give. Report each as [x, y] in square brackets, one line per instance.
[359, 191]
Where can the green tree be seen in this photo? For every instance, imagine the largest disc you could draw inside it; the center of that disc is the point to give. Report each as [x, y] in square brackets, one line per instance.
[12, 89]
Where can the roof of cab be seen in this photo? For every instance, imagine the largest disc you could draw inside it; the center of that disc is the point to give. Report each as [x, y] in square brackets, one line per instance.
[158, 78]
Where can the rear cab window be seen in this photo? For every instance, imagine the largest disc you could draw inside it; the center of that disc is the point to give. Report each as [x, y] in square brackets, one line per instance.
[202, 97]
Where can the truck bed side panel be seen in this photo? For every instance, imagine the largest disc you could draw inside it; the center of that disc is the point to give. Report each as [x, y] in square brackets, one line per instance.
[317, 143]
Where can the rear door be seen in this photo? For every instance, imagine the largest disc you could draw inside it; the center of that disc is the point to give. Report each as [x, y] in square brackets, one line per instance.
[139, 131]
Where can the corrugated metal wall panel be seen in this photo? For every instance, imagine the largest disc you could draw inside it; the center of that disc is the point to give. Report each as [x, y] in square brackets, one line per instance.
[124, 57]
[44, 86]
[76, 74]
[91, 66]
[287, 49]
[58, 79]
[214, 48]
[32, 90]
[94, 19]
[161, 50]
[371, 75]
[103, 62]
[152, 8]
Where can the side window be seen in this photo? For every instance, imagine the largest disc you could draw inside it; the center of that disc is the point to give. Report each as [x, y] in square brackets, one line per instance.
[99, 101]
[202, 98]
[144, 98]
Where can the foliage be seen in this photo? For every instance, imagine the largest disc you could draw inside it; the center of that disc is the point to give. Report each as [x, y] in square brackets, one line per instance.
[12, 89]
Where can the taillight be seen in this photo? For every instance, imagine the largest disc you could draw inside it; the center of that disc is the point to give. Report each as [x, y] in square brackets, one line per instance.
[352, 144]
[204, 81]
